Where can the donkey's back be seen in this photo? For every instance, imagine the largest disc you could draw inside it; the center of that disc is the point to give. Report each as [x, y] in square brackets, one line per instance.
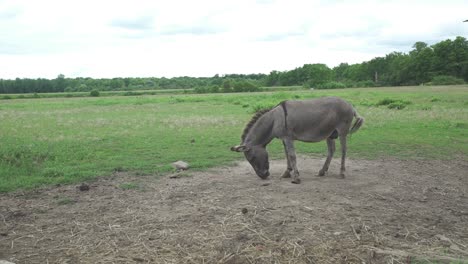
[317, 119]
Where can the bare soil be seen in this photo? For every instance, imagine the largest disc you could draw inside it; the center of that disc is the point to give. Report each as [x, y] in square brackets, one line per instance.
[385, 211]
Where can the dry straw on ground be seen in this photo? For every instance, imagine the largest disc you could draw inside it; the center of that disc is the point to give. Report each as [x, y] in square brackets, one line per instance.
[386, 211]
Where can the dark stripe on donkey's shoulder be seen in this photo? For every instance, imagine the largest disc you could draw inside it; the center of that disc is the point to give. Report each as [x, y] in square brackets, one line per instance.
[283, 105]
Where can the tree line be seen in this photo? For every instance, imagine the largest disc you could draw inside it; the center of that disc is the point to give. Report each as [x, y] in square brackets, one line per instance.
[445, 62]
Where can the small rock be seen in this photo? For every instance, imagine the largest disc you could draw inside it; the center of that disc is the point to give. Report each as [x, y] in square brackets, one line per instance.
[266, 184]
[244, 210]
[443, 238]
[338, 233]
[180, 165]
[84, 187]
[174, 176]
[423, 199]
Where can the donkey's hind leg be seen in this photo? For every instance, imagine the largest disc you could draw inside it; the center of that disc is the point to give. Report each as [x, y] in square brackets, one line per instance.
[343, 155]
[331, 151]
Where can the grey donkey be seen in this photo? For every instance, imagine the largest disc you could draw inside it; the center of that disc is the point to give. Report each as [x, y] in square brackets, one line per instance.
[314, 120]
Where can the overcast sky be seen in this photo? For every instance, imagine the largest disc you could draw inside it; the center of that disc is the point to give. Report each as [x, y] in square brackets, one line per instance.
[105, 39]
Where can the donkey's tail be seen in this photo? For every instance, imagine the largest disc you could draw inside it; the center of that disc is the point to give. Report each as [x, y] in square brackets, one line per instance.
[357, 124]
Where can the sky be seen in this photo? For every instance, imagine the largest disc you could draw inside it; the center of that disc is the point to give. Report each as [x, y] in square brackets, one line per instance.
[107, 39]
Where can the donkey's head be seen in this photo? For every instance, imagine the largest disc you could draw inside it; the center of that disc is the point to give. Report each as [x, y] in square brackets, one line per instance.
[257, 157]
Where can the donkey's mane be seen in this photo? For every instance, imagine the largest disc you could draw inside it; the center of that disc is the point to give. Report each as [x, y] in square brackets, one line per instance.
[252, 122]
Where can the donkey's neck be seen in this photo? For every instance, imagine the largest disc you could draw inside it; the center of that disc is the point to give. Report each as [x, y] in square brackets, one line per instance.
[261, 132]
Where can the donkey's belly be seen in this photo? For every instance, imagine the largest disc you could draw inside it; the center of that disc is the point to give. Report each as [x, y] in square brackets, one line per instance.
[312, 133]
[312, 137]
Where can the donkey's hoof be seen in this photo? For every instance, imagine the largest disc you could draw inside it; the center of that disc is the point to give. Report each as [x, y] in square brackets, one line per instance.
[296, 181]
[321, 173]
[286, 174]
[342, 175]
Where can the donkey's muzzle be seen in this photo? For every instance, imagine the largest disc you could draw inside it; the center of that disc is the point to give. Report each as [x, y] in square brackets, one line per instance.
[263, 175]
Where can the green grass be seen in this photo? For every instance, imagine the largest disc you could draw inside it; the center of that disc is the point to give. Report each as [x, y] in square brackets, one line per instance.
[130, 186]
[65, 201]
[66, 140]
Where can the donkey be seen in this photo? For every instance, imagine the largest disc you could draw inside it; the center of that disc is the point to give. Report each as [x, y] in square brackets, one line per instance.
[305, 120]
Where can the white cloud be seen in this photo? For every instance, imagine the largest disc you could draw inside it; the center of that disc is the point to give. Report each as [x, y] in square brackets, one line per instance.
[206, 37]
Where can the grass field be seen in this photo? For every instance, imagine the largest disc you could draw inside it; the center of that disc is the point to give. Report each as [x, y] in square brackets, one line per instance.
[65, 140]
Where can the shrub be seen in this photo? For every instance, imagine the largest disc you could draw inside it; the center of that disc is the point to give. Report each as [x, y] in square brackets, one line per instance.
[446, 80]
[200, 90]
[244, 86]
[397, 105]
[426, 107]
[385, 101]
[131, 93]
[366, 103]
[214, 89]
[331, 85]
[393, 103]
[94, 93]
[367, 83]
[229, 87]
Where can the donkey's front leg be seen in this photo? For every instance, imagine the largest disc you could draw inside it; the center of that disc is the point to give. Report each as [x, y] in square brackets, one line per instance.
[291, 154]
[287, 172]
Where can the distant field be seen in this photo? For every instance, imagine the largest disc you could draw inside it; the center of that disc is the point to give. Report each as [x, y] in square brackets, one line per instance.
[65, 140]
[127, 93]
[87, 94]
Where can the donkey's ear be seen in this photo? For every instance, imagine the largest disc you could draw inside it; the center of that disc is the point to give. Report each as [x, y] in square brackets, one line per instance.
[240, 148]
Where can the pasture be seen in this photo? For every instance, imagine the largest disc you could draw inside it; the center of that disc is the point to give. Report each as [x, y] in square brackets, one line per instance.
[403, 201]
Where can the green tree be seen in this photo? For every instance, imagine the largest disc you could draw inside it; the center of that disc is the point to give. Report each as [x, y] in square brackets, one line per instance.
[60, 83]
[420, 64]
[315, 74]
[273, 79]
[127, 82]
[340, 72]
[227, 86]
[451, 58]
[117, 83]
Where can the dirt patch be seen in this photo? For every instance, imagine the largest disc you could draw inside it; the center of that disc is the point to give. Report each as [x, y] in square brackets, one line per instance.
[383, 212]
